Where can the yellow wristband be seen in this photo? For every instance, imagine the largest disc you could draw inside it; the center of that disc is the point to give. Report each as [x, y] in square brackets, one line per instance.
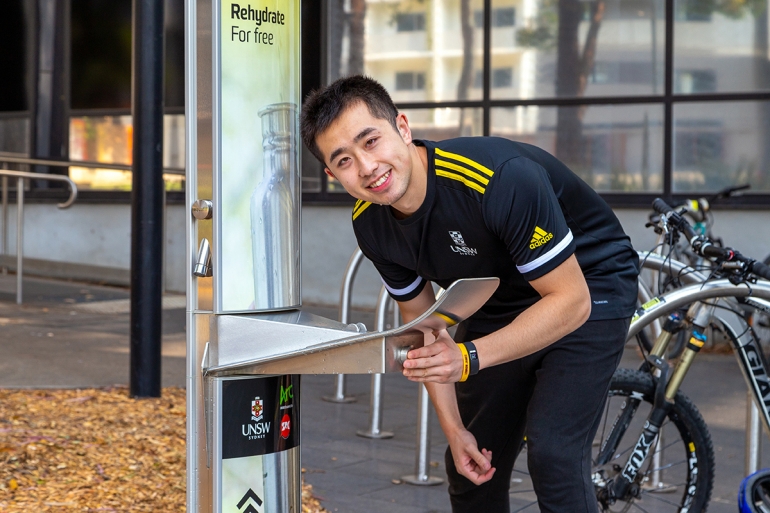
[466, 362]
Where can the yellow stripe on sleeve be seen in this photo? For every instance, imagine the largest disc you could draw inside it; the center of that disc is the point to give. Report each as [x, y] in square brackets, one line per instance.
[465, 160]
[462, 179]
[460, 169]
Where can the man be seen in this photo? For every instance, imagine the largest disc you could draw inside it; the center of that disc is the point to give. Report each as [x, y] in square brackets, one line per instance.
[474, 207]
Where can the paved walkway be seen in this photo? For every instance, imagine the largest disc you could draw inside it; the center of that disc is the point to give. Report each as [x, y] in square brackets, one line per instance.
[76, 335]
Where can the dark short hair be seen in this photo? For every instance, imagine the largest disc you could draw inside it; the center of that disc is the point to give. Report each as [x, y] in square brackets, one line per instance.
[323, 106]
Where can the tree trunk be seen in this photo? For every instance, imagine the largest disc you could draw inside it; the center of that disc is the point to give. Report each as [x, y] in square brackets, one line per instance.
[357, 37]
[337, 22]
[466, 76]
[572, 73]
[568, 70]
[762, 79]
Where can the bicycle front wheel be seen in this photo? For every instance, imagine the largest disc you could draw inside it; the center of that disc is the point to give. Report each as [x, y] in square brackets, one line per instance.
[677, 475]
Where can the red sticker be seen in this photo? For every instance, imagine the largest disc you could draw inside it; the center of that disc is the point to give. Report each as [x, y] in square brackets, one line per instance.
[285, 426]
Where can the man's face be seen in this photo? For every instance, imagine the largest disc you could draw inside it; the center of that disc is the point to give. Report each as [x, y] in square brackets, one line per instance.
[368, 156]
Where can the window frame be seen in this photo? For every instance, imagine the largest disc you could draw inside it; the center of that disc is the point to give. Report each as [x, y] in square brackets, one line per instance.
[668, 99]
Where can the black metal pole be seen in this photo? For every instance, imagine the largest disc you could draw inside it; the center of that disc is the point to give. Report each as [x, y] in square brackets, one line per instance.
[147, 198]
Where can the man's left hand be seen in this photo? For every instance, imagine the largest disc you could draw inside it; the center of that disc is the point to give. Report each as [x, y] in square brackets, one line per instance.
[439, 361]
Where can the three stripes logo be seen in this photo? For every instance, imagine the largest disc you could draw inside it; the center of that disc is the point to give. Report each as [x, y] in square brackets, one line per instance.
[539, 237]
[462, 169]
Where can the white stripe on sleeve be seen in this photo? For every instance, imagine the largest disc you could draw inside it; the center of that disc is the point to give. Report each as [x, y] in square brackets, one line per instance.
[406, 290]
[545, 258]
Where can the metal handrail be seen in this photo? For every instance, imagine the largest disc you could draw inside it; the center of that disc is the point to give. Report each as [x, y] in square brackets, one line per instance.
[46, 176]
[20, 177]
[5, 157]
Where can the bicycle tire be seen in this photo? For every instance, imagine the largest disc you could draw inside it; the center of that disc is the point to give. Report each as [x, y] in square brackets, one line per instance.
[686, 455]
[754, 494]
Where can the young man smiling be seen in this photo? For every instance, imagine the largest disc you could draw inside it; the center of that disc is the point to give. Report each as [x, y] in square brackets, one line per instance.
[543, 349]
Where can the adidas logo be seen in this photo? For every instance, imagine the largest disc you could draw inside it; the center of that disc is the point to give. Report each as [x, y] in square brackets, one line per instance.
[539, 238]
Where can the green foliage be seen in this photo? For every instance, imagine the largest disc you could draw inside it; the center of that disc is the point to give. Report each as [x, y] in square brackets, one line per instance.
[540, 37]
[406, 6]
[734, 9]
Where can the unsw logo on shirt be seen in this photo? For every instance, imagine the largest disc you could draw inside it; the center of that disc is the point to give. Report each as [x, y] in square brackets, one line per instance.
[461, 246]
[539, 237]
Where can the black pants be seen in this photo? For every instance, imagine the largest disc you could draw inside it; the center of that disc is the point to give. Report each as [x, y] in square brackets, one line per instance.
[557, 394]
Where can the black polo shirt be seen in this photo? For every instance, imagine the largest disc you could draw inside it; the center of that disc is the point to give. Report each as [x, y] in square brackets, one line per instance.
[495, 207]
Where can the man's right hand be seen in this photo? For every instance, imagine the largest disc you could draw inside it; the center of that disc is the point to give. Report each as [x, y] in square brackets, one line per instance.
[469, 461]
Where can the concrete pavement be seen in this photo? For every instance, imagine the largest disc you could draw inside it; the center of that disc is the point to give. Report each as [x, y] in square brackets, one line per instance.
[76, 335]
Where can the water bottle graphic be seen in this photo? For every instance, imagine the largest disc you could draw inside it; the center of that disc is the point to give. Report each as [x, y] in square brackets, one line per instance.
[275, 214]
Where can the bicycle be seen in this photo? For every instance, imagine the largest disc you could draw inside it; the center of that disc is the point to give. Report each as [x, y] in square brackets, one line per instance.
[629, 469]
[659, 279]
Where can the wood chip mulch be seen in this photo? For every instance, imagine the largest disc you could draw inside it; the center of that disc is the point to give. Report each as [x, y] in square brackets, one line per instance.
[95, 450]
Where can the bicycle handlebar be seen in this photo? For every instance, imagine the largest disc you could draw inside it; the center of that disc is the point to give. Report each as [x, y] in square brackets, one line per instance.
[676, 219]
[760, 269]
[703, 246]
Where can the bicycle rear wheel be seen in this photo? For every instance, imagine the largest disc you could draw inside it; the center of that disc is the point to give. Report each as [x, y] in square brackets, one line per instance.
[679, 471]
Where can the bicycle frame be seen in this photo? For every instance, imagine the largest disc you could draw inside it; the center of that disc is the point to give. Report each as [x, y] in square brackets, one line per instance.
[653, 261]
[747, 350]
[700, 314]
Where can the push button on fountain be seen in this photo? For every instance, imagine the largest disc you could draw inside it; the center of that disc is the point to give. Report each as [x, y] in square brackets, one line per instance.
[202, 209]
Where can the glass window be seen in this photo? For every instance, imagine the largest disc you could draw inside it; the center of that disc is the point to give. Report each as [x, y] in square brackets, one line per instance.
[174, 53]
[410, 22]
[504, 17]
[580, 49]
[613, 148]
[719, 144]
[725, 43]
[693, 10]
[695, 81]
[597, 69]
[101, 54]
[502, 77]
[410, 81]
[15, 85]
[389, 39]
[14, 134]
[501, 17]
[109, 139]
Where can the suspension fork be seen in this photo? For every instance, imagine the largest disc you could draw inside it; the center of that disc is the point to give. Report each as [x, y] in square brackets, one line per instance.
[699, 315]
[673, 325]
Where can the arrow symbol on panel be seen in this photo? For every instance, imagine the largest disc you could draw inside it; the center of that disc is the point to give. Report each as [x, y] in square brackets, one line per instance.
[254, 497]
